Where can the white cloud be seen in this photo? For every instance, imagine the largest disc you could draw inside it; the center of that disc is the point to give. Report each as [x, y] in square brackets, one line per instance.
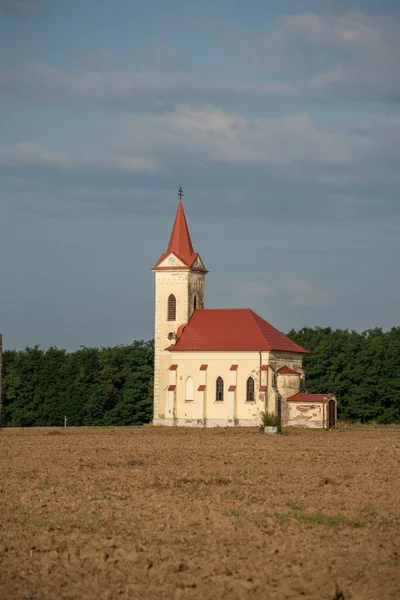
[147, 143]
[356, 50]
[354, 53]
[302, 294]
[337, 180]
[116, 85]
[28, 154]
[117, 161]
[210, 134]
[250, 290]
[97, 59]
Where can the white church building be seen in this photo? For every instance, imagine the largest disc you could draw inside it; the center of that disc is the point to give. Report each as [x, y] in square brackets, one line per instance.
[221, 367]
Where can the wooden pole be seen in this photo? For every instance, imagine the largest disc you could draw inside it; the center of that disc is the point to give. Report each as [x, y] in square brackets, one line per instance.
[1, 376]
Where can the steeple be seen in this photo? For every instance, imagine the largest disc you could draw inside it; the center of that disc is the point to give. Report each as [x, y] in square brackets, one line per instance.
[180, 245]
[179, 278]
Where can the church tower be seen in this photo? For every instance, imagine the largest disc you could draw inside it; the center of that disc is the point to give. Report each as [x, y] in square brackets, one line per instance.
[180, 275]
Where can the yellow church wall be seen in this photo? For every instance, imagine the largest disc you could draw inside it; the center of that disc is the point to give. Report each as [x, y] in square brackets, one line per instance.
[234, 409]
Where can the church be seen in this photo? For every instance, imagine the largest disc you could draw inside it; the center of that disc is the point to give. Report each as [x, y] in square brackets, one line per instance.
[221, 367]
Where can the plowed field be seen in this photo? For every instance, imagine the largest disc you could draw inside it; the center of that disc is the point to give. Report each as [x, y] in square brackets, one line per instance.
[181, 513]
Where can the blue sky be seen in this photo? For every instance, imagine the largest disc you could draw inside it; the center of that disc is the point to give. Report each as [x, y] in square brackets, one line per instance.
[280, 120]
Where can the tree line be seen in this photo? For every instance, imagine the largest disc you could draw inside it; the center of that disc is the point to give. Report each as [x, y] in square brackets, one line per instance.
[92, 386]
[114, 386]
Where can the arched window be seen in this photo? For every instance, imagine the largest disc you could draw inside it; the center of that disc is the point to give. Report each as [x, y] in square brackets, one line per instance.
[195, 302]
[219, 390]
[171, 308]
[250, 390]
[189, 392]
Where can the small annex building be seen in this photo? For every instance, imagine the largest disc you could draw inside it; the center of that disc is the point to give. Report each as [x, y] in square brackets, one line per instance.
[221, 367]
[312, 410]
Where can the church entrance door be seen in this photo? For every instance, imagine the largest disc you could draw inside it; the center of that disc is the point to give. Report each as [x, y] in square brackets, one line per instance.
[331, 414]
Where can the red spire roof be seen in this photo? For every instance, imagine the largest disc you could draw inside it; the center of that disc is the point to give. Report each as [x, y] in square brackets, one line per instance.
[232, 329]
[180, 242]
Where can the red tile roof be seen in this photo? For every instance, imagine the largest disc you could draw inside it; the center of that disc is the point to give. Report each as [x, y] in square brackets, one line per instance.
[232, 329]
[201, 388]
[203, 367]
[288, 371]
[171, 388]
[234, 368]
[173, 367]
[263, 388]
[180, 242]
[232, 388]
[309, 397]
[180, 330]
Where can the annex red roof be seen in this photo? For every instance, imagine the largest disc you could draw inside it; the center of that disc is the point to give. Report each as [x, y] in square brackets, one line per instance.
[232, 329]
[309, 397]
[288, 371]
[180, 242]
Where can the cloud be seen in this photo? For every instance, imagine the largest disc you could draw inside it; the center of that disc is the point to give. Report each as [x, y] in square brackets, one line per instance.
[350, 56]
[113, 85]
[23, 9]
[249, 290]
[97, 59]
[354, 54]
[148, 142]
[338, 180]
[358, 52]
[288, 167]
[365, 40]
[117, 161]
[29, 154]
[302, 294]
[211, 134]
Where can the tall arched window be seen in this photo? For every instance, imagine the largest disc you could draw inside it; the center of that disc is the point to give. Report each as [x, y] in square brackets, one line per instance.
[189, 392]
[171, 308]
[250, 390]
[219, 390]
[195, 302]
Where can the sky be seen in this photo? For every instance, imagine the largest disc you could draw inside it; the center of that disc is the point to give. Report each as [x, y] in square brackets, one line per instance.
[280, 119]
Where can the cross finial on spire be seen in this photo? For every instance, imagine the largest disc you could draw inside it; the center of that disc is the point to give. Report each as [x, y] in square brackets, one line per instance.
[180, 193]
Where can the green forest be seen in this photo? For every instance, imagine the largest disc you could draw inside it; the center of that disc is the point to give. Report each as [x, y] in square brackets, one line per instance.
[92, 386]
[113, 386]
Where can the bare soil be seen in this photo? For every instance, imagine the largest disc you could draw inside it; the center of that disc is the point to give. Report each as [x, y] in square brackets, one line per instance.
[189, 514]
